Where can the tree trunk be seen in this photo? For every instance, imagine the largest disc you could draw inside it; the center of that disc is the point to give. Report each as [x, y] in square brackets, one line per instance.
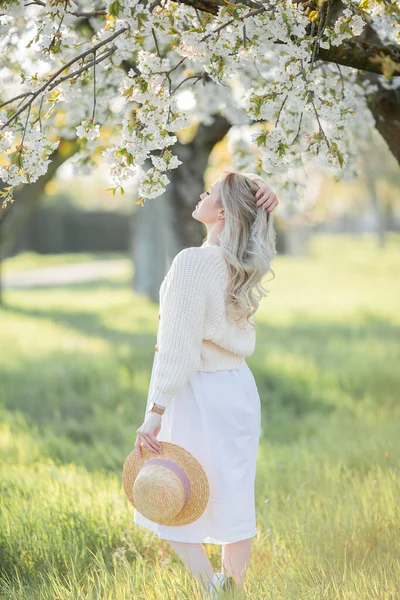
[385, 107]
[164, 225]
[384, 104]
[373, 196]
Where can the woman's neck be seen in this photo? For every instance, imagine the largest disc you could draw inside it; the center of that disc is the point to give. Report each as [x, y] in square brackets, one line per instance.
[212, 239]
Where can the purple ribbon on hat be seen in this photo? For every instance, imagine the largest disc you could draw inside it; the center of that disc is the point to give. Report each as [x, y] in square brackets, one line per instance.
[177, 469]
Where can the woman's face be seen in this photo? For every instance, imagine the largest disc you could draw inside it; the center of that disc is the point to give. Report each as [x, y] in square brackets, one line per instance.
[209, 207]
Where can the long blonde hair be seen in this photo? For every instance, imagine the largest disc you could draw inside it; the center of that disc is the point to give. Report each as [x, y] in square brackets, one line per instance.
[248, 240]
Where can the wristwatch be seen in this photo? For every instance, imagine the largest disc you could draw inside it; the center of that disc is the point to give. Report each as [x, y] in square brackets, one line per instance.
[156, 408]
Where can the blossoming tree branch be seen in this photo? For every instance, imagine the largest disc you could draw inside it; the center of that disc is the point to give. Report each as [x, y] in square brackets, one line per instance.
[306, 75]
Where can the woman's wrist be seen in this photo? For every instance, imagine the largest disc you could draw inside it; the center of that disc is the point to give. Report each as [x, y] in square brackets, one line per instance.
[157, 408]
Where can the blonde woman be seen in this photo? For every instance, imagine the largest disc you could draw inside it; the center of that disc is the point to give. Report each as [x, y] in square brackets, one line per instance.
[200, 378]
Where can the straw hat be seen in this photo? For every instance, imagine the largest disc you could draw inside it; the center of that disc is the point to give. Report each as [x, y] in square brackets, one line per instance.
[169, 488]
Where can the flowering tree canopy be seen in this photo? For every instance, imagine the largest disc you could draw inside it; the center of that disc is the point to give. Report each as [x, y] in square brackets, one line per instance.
[114, 75]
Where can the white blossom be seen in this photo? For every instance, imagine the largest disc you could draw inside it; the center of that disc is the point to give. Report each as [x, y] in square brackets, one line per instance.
[152, 183]
[88, 129]
[254, 69]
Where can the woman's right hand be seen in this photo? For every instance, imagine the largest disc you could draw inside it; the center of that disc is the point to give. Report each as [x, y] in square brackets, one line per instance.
[266, 198]
[148, 432]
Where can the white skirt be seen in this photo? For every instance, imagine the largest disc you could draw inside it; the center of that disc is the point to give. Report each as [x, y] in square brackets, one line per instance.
[217, 417]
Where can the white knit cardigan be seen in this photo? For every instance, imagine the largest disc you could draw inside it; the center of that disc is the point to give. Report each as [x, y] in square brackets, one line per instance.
[194, 333]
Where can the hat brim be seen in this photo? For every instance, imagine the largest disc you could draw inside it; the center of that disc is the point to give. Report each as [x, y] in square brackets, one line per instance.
[199, 486]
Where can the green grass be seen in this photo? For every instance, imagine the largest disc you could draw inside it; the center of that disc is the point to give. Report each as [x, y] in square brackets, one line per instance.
[32, 260]
[74, 373]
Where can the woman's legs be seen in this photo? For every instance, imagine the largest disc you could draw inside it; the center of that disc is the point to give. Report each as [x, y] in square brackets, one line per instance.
[196, 560]
[235, 559]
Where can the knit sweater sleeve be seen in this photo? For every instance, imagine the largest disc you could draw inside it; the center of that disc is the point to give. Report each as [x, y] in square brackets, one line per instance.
[182, 315]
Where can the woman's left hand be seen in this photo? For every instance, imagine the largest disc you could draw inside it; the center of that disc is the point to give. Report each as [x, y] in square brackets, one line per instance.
[266, 198]
[148, 432]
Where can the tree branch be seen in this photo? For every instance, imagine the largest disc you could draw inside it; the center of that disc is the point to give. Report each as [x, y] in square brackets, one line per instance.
[57, 73]
[354, 52]
[363, 56]
[84, 68]
[93, 13]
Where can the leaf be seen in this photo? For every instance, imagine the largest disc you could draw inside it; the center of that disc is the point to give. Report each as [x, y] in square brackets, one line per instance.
[282, 149]
[4, 192]
[16, 158]
[114, 8]
[127, 91]
[129, 159]
[261, 139]
[224, 11]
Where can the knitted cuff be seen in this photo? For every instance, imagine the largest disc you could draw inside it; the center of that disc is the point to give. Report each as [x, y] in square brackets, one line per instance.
[162, 399]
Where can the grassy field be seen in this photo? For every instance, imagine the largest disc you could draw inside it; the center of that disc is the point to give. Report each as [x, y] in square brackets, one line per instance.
[32, 260]
[74, 373]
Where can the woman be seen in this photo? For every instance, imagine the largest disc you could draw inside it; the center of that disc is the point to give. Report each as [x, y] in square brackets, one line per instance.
[200, 377]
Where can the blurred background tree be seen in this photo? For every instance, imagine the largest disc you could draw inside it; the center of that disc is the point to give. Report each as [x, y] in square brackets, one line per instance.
[67, 213]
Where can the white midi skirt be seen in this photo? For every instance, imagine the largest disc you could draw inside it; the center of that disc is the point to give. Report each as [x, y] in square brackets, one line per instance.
[217, 417]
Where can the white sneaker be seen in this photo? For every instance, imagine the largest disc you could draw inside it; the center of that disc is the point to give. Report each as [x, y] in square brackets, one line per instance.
[214, 586]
